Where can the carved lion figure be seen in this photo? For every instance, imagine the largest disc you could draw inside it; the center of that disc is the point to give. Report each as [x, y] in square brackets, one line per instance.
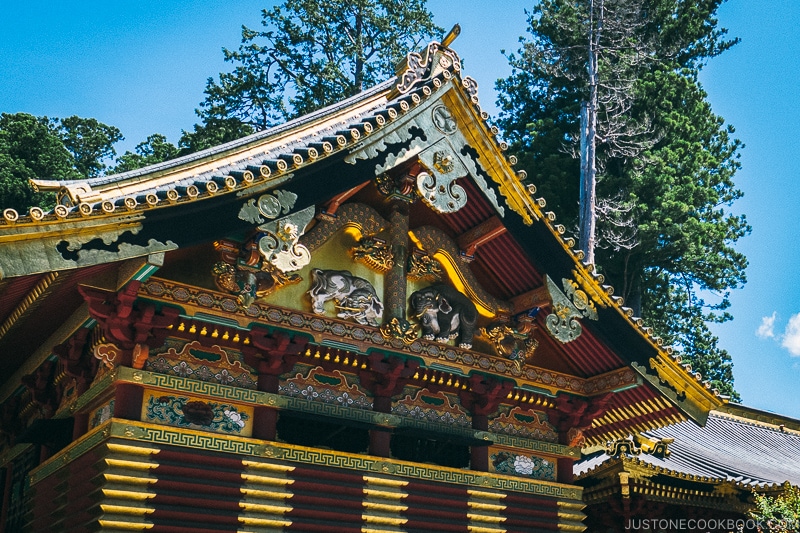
[444, 314]
[355, 297]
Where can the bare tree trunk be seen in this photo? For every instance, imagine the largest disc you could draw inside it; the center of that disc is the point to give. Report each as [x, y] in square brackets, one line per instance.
[359, 74]
[587, 221]
[588, 173]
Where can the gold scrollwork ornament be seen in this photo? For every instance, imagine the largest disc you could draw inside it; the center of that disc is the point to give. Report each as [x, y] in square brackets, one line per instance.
[400, 329]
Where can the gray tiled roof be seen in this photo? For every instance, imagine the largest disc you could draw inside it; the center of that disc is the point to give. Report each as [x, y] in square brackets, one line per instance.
[729, 447]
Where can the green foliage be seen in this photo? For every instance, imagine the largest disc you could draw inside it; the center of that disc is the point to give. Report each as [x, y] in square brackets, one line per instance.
[665, 186]
[152, 150]
[29, 148]
[310, 54]
[778, 514]
[90, 142]
[41, 148]
[213, 132]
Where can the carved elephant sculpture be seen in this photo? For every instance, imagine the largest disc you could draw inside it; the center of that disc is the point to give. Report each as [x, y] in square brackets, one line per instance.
[355, 297]
[444, 314]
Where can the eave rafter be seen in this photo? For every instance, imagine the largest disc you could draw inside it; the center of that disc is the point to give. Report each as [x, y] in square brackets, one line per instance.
[630, 477]
[484, 232]
[29, 303]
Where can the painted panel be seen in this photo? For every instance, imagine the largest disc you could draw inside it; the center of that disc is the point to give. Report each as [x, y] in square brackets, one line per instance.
[196, 413]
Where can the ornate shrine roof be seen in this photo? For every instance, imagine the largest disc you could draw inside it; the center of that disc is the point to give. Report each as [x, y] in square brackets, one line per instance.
[430, 104]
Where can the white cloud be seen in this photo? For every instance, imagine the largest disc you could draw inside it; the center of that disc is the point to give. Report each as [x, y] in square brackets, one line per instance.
[791, 338]
[767, 328]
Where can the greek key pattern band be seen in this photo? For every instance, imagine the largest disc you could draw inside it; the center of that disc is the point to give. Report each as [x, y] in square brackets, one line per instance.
[189, 386]
[298, 454]
[247, 396]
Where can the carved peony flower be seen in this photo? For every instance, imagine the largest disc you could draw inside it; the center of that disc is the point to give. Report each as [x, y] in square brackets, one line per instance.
[199, 413]
[523, 465]
[234, 417]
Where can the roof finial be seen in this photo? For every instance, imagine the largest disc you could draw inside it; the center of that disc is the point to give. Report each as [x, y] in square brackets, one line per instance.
[451, 36]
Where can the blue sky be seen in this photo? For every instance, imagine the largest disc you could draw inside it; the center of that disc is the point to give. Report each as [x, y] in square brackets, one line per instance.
[141, 66]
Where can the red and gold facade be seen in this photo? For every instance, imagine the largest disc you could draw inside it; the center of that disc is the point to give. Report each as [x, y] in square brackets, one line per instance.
[359, 321]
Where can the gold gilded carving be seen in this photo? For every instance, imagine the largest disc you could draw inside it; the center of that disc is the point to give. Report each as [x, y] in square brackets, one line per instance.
[184, 358]
[396, 187]
[360, 217]
[367, 338]
[300, 455]
[438, 187]
[442, 195]
[375, 253]
[400, 329]
[563, 323]
[516, 343]
[108, 354]
[140, 354]
[33, 295]
[591, 287]
[440, 246]
[422, 266]
[331, 387]
[244, 273]
[579, 299]
[638, 444]
[526, 423]
[432, 406]
[443, 162]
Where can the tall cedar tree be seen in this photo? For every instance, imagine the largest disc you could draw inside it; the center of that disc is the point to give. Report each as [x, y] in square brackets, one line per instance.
[665, 231]
[309, 54]
[40, 147]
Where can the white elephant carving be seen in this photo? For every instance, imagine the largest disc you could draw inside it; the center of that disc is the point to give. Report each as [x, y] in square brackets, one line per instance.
[355, 297]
